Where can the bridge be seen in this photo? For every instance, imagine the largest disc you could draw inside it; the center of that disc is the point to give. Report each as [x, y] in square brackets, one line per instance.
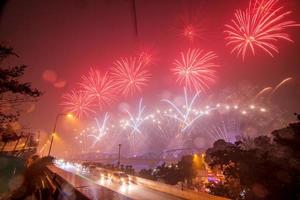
[70, 182]
[149, 160]
[139, 189]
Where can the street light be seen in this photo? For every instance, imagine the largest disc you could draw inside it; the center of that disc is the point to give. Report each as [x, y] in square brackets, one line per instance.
[119, 155]
[69, 115]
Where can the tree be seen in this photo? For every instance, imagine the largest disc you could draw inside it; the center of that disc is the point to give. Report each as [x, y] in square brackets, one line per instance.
[148, 174]
[187, 169]
[13, 93]
[269, 170]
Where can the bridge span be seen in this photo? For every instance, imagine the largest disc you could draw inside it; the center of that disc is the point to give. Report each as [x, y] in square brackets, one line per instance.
[141, 189]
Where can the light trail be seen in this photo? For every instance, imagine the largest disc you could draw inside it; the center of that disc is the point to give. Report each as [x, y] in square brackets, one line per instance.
[185, 116]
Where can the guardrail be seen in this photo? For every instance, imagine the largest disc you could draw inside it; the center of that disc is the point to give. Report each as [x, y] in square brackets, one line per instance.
[57, 184]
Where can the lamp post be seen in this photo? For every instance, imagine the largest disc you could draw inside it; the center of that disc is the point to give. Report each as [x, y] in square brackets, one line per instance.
[119, 157]
[54, 128]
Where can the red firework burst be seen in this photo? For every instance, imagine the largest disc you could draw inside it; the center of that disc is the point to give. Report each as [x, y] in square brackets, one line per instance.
[259, 26]
[130, 75]
[195, 69]
[190, 32]
[78, 103]
[99, 87]
[146, 57]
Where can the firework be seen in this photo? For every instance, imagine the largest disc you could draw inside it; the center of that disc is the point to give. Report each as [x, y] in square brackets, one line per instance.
[259, 26]
[263, 91]
[79, 103]
[164, 130]
[146, 57]
[195, 69]
[190, 32]
[130, 75]
[284, 81]
[186, 116]
[101, 129]
[225, 129]
[135, 121]
[100, 87]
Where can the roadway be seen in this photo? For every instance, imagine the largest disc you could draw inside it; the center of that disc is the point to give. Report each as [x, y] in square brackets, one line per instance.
[89, 186]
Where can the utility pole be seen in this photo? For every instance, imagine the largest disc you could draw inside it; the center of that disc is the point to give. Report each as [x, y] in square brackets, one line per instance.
[53, 132]
[54, 128]
[119, 157]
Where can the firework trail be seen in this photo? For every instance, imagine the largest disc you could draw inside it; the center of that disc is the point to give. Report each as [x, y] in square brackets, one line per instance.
[259, 26]
[195, 69]
[101, 129]
[283, 82]
[186, 116]
[263, 91]
[130, 74]
[233, 123]
[224, 130]
[162, 129]
[100, 87]
[79, 103]
[135, 122]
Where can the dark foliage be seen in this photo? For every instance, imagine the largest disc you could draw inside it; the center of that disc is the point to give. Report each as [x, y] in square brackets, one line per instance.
[148, 174]
[32, 176]
[270, 170]
[183, 171]
[13, 92]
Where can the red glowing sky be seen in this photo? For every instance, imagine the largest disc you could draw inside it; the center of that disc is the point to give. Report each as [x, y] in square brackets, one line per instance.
[69, 37]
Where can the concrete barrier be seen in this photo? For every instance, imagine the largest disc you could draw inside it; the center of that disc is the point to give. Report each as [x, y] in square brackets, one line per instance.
[169, 189]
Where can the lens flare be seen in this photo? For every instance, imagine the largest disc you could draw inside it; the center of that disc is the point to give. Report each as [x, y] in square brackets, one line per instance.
[130, 75]
[259, 26]
[195, 69]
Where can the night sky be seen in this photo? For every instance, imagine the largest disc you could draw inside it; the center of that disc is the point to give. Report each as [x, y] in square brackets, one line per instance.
[68, 37]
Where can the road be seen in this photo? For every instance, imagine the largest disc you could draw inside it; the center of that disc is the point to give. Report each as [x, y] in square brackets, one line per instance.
[90, 186]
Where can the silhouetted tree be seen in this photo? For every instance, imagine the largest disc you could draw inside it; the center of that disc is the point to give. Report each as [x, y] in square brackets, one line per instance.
[13, 92]
[147, 173]
[270, 170]
[187, 169]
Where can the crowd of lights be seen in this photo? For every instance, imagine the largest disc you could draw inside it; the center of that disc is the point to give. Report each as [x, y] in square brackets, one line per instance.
[183, 117]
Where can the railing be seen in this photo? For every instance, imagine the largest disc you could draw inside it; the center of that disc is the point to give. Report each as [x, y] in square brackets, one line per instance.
[55, 184]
